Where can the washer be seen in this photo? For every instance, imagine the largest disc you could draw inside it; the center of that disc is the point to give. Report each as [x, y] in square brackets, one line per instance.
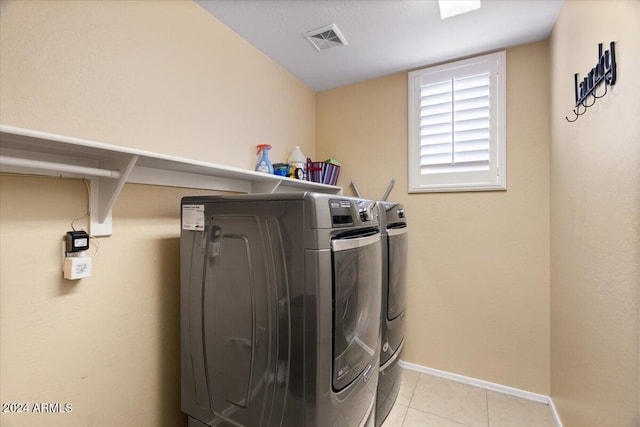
[393, 224]
[280, 310]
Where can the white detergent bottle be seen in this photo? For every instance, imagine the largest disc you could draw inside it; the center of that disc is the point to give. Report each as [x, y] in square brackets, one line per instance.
[299, 161]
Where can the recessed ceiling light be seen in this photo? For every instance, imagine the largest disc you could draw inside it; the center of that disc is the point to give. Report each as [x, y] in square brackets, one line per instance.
[449, 8]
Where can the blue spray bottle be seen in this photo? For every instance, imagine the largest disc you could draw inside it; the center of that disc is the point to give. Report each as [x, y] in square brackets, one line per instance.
[264, 164]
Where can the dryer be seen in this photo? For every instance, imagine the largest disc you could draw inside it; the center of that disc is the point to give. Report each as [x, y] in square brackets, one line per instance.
[280, 310]
[393, 225]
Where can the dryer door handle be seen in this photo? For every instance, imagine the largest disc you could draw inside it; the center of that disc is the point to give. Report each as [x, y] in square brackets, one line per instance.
[396, 231]
[354, 243]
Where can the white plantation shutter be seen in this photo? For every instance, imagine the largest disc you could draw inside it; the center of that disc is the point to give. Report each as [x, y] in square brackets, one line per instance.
[456, 132]
[454, 125]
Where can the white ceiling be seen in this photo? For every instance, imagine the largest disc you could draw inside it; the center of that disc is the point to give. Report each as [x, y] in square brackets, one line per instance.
[384, 36]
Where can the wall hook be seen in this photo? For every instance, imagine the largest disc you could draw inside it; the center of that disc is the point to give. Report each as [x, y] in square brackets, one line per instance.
[571, 121]
[604, 72]
[585, 102]
[601, 96]
[577, 112]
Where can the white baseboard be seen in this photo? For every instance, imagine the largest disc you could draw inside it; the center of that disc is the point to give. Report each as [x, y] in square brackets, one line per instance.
[554, 412]
[499, 388]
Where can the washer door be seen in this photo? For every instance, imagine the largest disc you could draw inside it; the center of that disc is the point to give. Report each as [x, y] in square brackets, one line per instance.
[357, 279]
[396, 298]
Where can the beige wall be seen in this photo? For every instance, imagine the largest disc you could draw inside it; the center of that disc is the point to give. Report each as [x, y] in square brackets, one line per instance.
[165, 76]
[110, 344]
[156, 75]
[595, 221]
[478, 273]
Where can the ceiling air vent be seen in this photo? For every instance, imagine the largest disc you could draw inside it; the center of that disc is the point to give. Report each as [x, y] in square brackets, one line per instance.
[326, 37]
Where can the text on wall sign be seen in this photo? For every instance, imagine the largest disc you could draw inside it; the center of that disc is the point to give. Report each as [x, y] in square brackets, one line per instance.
[603, 72]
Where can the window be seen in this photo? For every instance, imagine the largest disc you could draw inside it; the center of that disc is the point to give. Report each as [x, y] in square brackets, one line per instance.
[457, 126]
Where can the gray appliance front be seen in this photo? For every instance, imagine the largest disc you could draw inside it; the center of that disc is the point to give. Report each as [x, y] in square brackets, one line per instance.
[357, 306]
[394, 259]
[394, 265]
[256, 318]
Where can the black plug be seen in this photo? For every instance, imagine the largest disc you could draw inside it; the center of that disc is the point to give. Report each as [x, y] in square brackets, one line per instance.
[77, 241]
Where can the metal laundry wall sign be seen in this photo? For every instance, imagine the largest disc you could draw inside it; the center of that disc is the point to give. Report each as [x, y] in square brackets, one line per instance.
[603, 72]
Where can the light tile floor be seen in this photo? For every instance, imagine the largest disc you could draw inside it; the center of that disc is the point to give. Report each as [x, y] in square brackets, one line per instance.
[428, 401]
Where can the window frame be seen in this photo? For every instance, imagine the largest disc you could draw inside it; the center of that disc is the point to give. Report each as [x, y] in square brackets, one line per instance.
[496, 178]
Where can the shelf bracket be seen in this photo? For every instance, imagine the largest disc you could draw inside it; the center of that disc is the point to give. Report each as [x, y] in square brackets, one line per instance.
[104, 192]
[264, 186]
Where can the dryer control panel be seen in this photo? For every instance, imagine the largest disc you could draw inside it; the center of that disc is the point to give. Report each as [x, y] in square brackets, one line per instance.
[349, 213]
